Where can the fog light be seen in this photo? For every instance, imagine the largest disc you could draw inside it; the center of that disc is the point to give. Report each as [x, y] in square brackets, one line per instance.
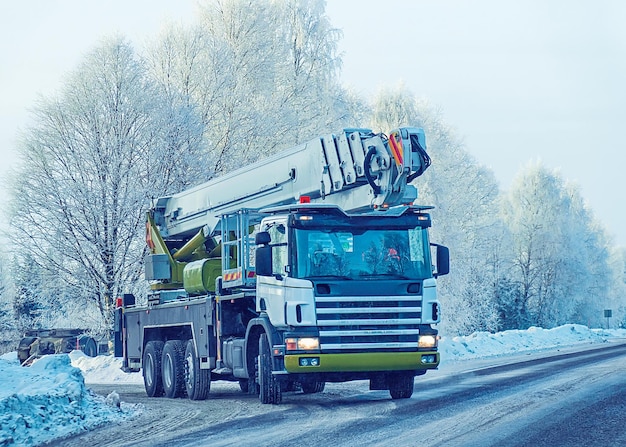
[309, 361]
[430, 358]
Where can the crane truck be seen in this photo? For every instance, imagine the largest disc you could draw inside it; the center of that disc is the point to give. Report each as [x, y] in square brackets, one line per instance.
[309, 267]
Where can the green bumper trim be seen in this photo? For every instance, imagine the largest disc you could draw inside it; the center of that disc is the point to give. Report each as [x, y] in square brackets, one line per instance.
[359, 362]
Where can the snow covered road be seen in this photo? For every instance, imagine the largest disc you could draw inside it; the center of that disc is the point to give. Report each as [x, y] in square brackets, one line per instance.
[571, 396]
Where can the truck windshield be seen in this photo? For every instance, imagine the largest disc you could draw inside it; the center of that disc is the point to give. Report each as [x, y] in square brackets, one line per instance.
[395, 253]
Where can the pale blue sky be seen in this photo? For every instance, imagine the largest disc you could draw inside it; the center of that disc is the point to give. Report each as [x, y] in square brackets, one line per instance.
[518, 80]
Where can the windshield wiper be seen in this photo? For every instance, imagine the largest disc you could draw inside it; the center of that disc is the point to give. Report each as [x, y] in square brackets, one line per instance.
[329, 276]
[383, 275]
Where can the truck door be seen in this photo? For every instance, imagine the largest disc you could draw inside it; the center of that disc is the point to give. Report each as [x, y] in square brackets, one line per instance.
[271, 290]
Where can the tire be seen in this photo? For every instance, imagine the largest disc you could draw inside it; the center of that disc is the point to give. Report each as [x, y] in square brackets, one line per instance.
[152, 356]
[315, 386]
[269, 387]
[197, 381]
[248, 386]
[173, 369]
[88, 346]
[289, 386]
[243, 385]
[23, 349]
[401, 385]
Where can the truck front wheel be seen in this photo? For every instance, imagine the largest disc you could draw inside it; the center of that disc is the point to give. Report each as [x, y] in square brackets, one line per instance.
[197, 381]
[152, 355]
[269, 387]
[401, 385]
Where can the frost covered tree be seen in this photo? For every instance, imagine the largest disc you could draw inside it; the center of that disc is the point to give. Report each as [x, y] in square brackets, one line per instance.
[535, 256]
[465, 217]
[618, 294]
[8, 328]
[28, 298]
[589, 279]
[3, 291]
[393, 107]
[263, 75]
[90, 162]
[38, 296]
[560, 252]
[310, 99]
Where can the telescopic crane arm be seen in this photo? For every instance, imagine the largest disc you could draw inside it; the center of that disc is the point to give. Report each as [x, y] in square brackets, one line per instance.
[356, 170]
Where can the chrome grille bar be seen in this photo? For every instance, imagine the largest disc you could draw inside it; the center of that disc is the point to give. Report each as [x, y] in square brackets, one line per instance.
[365, 310]
[369, 332]
[368, 323]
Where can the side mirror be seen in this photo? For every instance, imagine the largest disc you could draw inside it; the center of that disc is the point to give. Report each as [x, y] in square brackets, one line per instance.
[443, 260]
[262, 238]
[263, 257]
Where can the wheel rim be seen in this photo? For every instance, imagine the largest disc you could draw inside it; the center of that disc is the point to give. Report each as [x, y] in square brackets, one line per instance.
[149, 369]
[168, 371]
[189, 371]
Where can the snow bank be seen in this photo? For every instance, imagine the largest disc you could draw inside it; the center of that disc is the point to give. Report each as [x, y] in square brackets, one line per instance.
[485, 344]
[103, 369]
[48, 400]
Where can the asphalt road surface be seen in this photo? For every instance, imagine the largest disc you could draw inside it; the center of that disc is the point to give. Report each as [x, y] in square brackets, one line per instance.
[571, 397]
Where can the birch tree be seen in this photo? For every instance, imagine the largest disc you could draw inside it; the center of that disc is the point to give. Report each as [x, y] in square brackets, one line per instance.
[310, 98]
[8, 329]
[560, 252]
[262, 74]
[89, 165]
[617, 300]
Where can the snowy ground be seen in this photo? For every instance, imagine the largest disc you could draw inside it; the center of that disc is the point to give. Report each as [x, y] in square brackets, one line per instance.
[51, 399]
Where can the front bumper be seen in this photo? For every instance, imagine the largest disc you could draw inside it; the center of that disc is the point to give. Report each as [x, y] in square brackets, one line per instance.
[363, 362]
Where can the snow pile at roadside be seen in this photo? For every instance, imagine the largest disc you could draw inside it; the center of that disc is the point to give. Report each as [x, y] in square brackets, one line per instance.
[485, 344]
[48, 400]
[103, 369]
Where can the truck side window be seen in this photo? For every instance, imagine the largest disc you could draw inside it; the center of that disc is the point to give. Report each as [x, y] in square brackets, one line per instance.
[278, 234]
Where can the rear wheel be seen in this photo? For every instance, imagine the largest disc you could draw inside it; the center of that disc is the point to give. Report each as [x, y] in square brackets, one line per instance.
[88, 346]
[197, 381]
[315, 386]
[173, 369]
[401, 385]
[23, 349]
[243, 385]
[269, 387]
[289, 385]
[152, 368]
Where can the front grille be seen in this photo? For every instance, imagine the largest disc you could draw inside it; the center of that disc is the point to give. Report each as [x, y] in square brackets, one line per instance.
[374, 323]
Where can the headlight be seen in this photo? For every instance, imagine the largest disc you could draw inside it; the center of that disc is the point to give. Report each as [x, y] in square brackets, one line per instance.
[427, 341]
[302, 344]
[309, 343]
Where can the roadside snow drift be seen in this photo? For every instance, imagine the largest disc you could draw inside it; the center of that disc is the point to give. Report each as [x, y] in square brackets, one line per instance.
[48, 400]
[534, 339]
